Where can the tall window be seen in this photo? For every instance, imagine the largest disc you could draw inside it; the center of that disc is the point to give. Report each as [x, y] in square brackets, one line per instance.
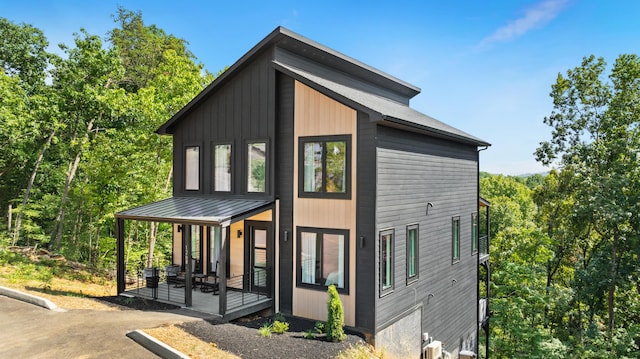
[222, 168]
[386, 262]
[257, 167]
[325, 166]
[192, 168]
[474, 232]
[323, 258]
[412, 253]
[455, 239]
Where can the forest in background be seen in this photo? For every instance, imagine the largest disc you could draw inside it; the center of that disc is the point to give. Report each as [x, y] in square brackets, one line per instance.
[78, 140]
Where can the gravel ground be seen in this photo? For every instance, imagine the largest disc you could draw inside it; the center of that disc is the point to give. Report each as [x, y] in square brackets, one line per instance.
[243, 339]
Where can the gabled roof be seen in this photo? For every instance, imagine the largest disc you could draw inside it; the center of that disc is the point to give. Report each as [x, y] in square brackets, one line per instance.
[385, 110]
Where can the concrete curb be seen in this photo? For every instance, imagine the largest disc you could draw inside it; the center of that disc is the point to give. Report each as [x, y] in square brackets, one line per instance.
[39, 301]
[155, 346]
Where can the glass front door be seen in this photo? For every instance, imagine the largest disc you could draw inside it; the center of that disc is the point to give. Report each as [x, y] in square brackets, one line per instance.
[258, 260]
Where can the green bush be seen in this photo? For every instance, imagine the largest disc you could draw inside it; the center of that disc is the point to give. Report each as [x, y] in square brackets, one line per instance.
[320, 327]
[279, 327]
[265, 330]
[335, 316]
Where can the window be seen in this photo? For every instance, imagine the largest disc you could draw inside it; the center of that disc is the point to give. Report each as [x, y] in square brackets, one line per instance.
[257, 167]
[222, 168]
[412, 253]
[455, 239]
[325, 166]
[323, 258]
[386, 262]
[474, 233]
[192, 168]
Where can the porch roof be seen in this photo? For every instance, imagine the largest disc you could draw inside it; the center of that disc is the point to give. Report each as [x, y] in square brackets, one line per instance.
[195, 210]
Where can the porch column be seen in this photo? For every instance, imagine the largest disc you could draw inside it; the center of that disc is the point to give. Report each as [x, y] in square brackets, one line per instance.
[188, 278]
[222, 270]
[121, 270]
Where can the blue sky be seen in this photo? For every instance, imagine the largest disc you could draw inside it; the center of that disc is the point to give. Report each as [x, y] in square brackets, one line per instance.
[485, 67]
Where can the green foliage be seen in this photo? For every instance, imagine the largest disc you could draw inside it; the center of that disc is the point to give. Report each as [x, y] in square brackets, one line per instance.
[309, 334]
[280, 327]
[265, 330]
[335, 316]
[320, 327]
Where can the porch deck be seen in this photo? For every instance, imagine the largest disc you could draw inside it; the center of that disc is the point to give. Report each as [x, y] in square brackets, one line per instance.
[239, 303]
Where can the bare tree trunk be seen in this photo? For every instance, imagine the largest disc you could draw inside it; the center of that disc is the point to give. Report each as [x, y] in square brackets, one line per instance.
[9, 213]
[56, 235]
[25, 199]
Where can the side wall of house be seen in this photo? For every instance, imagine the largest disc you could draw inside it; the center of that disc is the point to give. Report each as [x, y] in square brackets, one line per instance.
[412, 171]
[241, 110]
[317, 115]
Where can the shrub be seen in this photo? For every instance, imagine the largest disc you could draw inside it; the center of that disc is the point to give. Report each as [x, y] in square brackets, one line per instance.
[309, 334]
[335, 316]
[265, 330]
[279, 327]
[320, 327]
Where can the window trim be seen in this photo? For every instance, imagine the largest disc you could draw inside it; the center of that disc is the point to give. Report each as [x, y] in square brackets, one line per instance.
[184, 173]
[318, 287]
[324, 139]
[414, 278]
[385, 291]
[475, 232]
[213, 163]
[455, 242]
[266, 165]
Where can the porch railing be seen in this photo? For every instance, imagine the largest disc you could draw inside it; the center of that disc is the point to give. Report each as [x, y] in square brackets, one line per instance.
[484, 244]
[247, 288]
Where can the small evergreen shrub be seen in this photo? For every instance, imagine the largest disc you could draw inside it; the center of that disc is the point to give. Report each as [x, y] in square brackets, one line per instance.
[335, 316]
[309, 334]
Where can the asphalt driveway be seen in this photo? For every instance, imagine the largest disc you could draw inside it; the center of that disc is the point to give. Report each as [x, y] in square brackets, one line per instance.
[29, 331]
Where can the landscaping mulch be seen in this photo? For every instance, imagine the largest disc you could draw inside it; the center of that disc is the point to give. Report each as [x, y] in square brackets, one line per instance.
[137, 303]
[242, 338]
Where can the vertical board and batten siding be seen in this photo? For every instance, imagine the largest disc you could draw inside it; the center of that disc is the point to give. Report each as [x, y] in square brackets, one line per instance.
[284, 188]
[413, 170]
[318, 115]
[240, 110]
[366, 287]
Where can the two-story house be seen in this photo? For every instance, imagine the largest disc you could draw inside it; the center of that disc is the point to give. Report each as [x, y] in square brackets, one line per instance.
[300, 167]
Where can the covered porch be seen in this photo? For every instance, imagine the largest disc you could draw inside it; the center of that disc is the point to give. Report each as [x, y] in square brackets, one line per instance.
[223, 250]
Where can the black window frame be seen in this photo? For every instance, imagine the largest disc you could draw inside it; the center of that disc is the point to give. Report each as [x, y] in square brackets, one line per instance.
[184, 169]
[455, 242]
[266, 166]
[213, 163]
[475, 232]
[324, 194]
[413, 278]
[320, 232]
[385, 291]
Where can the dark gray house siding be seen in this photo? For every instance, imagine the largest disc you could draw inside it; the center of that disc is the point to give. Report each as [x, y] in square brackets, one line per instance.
[284, 186]
[241, 109]
[365, 232]
[413, 170]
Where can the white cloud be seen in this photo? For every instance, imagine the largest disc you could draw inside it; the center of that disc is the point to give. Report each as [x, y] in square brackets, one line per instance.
[534, 17]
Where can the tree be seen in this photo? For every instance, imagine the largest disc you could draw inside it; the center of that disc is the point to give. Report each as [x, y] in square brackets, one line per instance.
[335, 316]
[595, 137]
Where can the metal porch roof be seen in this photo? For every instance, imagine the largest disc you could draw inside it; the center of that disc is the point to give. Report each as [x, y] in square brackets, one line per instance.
[194, 210]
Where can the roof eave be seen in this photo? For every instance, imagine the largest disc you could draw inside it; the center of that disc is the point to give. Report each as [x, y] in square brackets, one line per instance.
[396, 122]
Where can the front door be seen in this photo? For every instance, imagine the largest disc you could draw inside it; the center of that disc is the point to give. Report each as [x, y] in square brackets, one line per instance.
[258, 250]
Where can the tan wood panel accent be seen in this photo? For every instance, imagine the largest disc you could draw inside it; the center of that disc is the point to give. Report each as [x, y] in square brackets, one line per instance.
[262, 216]
[177, 245]
[236, 250]
[318, 115]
